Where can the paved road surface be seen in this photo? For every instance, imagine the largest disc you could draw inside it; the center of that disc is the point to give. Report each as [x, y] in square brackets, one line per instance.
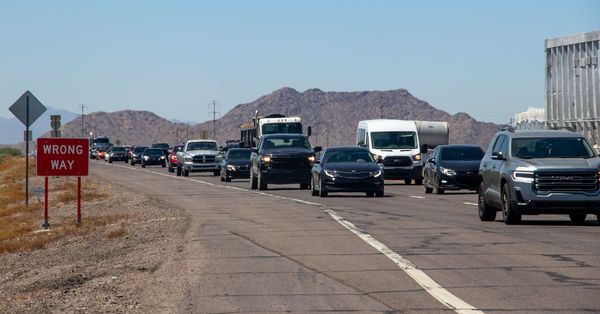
[282, 250]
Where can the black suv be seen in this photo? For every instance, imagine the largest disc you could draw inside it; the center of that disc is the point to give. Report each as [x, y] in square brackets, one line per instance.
[282, 159]
[539, 172]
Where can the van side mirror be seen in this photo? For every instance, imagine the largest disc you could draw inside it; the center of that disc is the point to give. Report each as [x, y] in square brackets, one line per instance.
[498, 156]
[309, 131]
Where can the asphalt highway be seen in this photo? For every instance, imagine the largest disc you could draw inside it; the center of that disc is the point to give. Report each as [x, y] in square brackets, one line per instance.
[283, 250]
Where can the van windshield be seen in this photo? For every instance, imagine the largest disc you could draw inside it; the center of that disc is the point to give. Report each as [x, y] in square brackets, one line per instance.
[394, 140]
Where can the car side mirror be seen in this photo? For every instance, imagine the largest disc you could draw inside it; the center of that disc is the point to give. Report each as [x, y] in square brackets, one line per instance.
[498, 156]
[317, 148]
[318, 161]
[255, 150]
[431, 160]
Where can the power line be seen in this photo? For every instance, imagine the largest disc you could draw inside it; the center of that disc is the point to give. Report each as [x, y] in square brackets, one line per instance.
[214, 113]
[82, 106]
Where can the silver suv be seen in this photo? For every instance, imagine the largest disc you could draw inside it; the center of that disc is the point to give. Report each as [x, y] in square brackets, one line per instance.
[539, 172]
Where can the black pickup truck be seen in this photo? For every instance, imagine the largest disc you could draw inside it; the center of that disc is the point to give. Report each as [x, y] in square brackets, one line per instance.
[282, 159]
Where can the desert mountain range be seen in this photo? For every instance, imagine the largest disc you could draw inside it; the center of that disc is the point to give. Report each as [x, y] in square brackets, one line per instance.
[332, 115]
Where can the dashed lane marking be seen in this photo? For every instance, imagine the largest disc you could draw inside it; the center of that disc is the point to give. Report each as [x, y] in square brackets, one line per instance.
[471, 203]
[420, 277]
[416, 196]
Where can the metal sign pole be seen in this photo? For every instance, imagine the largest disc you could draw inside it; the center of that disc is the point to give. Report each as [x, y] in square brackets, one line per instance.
[46, 225]
[27, 156]
[78, 201]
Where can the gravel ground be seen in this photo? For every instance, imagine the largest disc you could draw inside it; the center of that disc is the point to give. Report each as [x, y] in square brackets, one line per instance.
[106, 270]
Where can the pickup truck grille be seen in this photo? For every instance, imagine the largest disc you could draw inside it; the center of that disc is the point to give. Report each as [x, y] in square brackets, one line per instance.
[566, 181]
[397, 161]
[290, 163]
[204, 159]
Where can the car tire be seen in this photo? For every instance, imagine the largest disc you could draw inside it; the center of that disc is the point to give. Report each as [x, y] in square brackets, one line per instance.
[304, 186]
[253, 183]
[578, 219]
[171, 169]
[227, 179]
[509, 214]
[313, 192]
[407, 181]
[164, 165]
[262, 185]
[178, 171]
[186, 173]
[322, 191]
[428, 190]
[132, 163]
[380, 193]
[486, 213]
[143, 165]
[216, 173]
[109, 161]
[370, 194]
[419, 181]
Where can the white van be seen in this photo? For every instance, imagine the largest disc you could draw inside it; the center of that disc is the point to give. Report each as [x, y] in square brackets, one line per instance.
[395, 144]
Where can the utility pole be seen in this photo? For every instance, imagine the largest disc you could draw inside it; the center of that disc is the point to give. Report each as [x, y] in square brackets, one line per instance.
[214, 113]
[82, 106]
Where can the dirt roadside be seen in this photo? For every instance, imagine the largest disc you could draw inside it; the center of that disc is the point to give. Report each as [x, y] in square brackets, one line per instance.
[107, 270]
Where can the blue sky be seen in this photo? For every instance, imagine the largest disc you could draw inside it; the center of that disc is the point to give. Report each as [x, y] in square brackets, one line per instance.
[485, 58]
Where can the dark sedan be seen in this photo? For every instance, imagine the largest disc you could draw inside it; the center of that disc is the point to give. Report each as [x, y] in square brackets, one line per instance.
[153, 156]
[136, 154]
[347, 169]
[452, 167]
[236, 164]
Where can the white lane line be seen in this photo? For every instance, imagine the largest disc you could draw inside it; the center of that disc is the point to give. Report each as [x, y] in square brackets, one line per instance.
[420, 277]
[471, 203]
[415, 196]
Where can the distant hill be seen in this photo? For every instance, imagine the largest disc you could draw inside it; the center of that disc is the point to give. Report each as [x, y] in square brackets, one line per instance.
[340, 111]
[11, 129]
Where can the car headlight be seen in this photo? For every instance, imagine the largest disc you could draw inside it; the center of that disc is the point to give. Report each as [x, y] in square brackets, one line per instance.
[523, 174]
[162, 157]
[375, 173]
[330, 173]
[231, 167]
[312, 159]
[146, 157]
[417, 157]
[448, 172]
[265, 159]
[187, 158]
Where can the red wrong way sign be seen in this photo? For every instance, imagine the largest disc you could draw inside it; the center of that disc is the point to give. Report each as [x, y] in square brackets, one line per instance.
[62, 157]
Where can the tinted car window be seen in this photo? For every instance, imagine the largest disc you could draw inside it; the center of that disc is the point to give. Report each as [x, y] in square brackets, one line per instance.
[152, 151]
[139, 150]
[202, 146]
[348, 156]
[527, 148]
[238, 154]
[118, 149]
[498, 143]
[461, 153]
[286, 142]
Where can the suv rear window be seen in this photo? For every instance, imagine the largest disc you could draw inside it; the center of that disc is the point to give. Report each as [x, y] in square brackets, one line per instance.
[550, 147]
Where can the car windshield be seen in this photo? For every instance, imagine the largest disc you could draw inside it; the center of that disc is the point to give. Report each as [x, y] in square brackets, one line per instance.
[461, 153]
[139, 150]
[160, 145]
[287, 128]
[202, 146]
[347, 156]
[285, 142]
[394, 140]
[239, 154]
[118, 149]
[153, 151]
[545, 147]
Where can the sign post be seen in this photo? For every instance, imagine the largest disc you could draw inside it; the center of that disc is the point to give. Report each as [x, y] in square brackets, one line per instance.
[59, 157]
[27, 109]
